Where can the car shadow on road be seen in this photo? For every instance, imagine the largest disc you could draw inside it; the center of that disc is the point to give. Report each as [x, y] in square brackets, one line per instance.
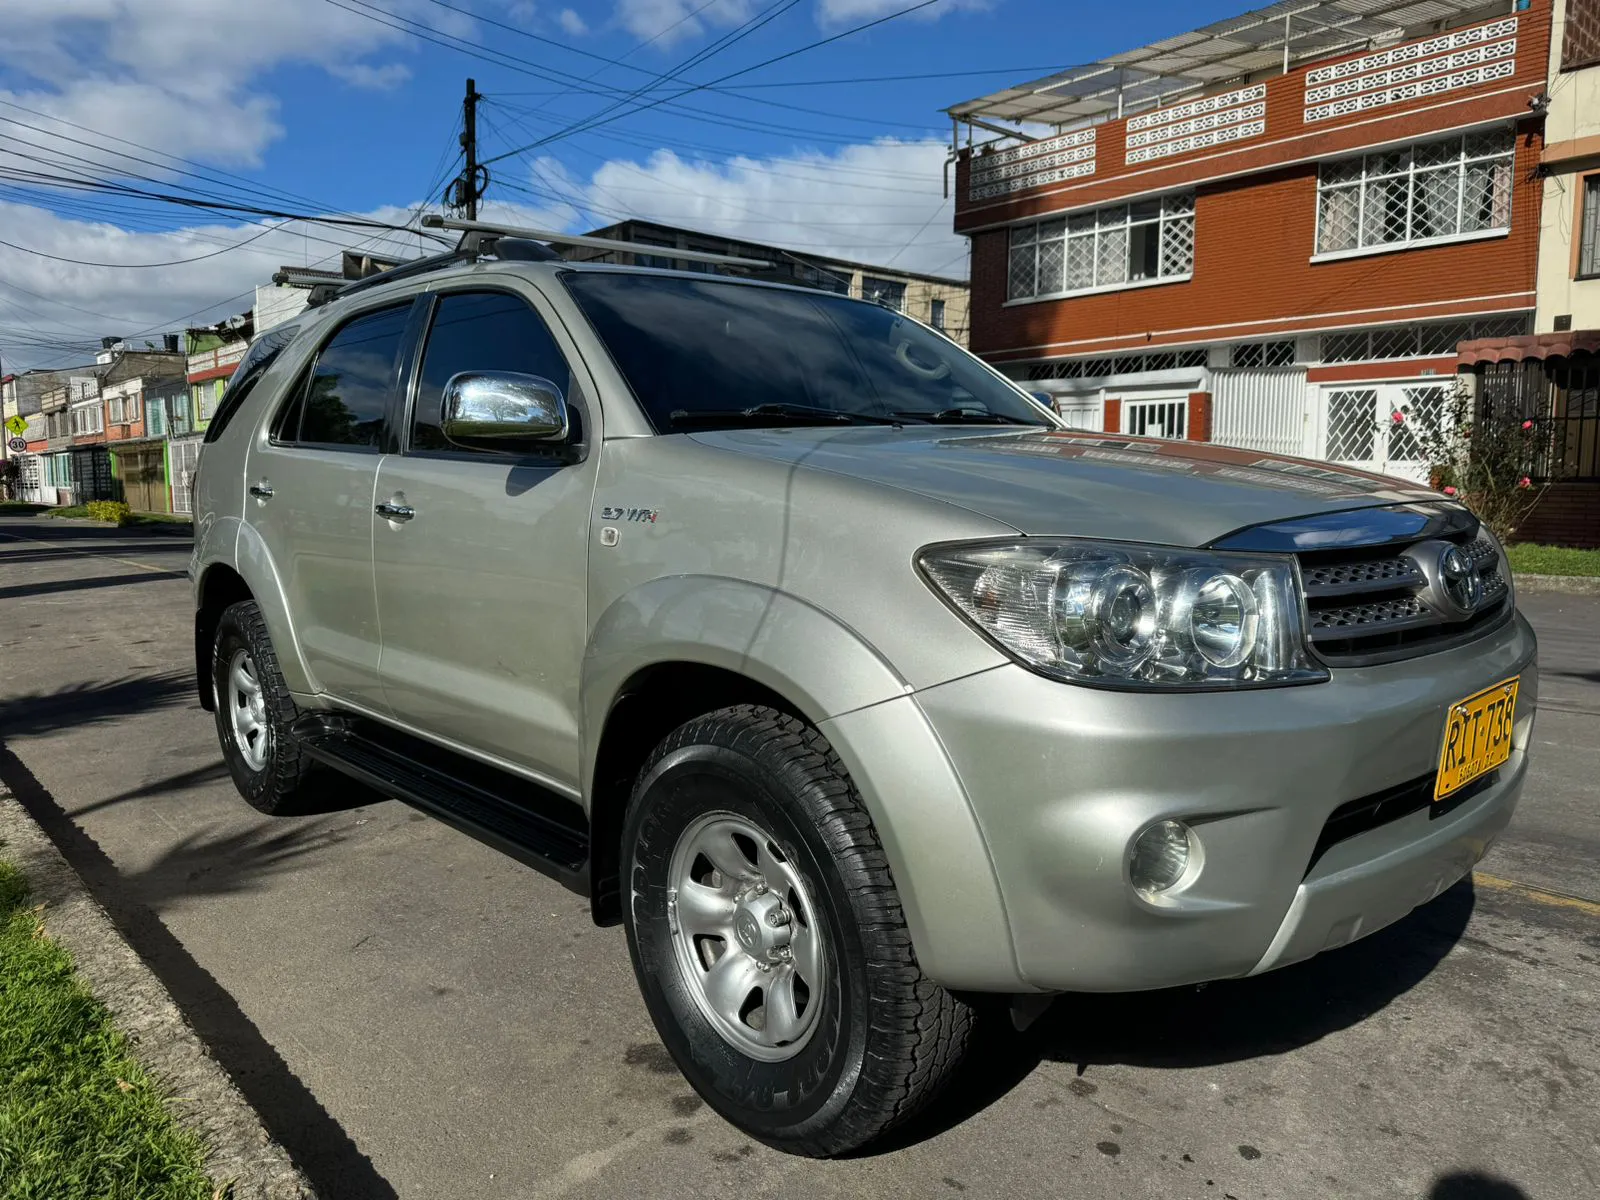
[1473, 1185]
[50, 587]
[1228, 1021]
[200, 866]
[92, 703]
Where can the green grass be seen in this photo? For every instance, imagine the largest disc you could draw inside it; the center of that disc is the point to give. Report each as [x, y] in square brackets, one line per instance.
[79, 1118]
[1528, 559]
[71, 510]
[81, 511]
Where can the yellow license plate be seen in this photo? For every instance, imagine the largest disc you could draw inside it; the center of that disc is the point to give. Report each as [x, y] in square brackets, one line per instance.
[1477, 737]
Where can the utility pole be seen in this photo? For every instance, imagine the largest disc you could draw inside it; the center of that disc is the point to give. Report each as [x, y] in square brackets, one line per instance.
[468, 187]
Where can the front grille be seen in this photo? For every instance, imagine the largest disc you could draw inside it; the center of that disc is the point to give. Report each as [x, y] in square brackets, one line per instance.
[1375, 604]
[1355, 817]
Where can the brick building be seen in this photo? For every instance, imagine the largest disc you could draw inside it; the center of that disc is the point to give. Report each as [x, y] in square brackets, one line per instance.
[1273, 232]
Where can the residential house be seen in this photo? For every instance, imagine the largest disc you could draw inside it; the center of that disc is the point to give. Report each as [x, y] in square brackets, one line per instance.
[1552, 375]
[1274, 231]
[932, 299]
[136, 389]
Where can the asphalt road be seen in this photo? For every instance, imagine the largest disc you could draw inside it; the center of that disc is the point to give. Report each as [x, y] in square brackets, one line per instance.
[415, 1015]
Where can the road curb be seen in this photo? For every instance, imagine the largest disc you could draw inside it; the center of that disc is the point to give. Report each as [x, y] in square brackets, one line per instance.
[242, 1160]
[1574, 585]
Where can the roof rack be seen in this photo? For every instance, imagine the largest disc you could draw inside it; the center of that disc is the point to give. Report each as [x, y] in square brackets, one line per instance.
[434, 221]
[509, 243]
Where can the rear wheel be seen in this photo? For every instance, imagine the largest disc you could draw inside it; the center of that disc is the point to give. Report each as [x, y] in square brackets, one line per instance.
[254, 713]
[769, 941]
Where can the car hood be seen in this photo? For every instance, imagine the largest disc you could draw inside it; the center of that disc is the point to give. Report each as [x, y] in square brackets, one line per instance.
[1079, 484]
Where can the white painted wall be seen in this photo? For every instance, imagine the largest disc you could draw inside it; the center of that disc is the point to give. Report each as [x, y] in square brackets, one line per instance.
[1574, 113]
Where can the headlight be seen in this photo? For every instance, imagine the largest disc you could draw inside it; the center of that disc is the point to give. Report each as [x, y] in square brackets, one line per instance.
[1131, 616]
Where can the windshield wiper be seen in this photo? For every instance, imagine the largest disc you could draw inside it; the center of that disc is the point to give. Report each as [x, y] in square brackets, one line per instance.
[967, 416]
[786, 414]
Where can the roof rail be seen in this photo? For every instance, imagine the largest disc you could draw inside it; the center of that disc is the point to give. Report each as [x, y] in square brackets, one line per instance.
[435, 221]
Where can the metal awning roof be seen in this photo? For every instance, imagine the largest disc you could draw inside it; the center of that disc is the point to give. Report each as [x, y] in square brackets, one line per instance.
[1243, 45]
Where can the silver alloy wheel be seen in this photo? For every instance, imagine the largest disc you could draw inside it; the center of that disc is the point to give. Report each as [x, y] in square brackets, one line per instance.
[247, 709]
[746, 936]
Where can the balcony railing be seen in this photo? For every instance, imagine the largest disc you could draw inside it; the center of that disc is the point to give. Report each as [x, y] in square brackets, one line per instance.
[225, 356]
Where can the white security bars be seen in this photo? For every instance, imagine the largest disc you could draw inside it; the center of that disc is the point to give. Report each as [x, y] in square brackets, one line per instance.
[1426, 192]
[1104, 249]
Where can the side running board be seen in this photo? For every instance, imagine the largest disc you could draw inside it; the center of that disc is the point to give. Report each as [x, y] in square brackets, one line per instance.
[517, 817]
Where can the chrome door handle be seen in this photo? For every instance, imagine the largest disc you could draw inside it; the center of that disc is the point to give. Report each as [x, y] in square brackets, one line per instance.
[395, 512]
[261, 491]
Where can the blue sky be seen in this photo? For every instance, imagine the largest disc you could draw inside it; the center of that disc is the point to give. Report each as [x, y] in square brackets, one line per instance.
[347, 106]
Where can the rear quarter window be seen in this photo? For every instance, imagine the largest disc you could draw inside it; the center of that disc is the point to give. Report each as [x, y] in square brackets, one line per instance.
[257, 361]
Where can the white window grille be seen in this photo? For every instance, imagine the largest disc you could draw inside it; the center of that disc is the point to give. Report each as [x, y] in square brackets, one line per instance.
[1155, 418]
[1262, 354]
[1589, 230]
[1108, 248]
[1425, 192]
[889, 292]
[1125, 364]
[124, 409]
[90, 418]
[1415, 341]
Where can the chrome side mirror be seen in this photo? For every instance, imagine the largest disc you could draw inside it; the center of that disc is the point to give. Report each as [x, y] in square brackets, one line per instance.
[481, 406]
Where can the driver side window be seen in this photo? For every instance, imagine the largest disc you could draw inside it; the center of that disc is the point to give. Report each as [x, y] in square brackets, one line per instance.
[480, 331]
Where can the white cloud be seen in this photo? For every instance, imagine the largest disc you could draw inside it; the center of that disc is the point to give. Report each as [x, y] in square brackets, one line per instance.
[882, 202]
[379, 79]
[841, 12]
[666, 22]
[571, 23]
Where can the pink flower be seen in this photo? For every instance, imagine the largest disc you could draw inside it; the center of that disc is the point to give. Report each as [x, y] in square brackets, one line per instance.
[1449, 491]
[1527, 424]
[1399, 417]
[1524, 482]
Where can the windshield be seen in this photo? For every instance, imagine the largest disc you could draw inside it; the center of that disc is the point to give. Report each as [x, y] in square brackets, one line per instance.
[702, 353]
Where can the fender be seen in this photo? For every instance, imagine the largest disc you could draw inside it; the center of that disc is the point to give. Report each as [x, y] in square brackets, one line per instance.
[255, 565]
[843, 685]
[820, 665]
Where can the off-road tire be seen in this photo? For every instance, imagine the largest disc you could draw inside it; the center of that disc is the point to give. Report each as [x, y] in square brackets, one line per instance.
[888, 1037]
[289, 782]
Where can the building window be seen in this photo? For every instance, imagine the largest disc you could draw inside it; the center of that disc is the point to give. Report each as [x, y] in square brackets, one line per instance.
[1580, 42]
[936, 314]
[1589, 230]
[1262, 354]
[88, 419]
[206, 396]
[653, 260]
[1425, 192]
[1122, 364]
[1107, 248]
[886, 292]
[124, 409]
[1436, 339]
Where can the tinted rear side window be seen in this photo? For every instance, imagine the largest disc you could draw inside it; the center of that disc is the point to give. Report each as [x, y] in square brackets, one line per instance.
[247, 374]
[346, 392]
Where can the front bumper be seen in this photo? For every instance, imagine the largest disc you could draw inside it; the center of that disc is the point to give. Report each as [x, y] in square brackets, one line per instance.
[1059, 779]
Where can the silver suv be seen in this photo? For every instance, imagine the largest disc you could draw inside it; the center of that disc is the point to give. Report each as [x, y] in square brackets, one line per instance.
[820, 656]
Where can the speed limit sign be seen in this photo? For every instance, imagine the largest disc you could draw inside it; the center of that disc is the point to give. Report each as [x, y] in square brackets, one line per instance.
[18, 443]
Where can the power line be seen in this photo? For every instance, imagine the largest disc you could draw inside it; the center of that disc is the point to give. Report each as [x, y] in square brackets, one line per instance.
[595, 123]
[177, 262]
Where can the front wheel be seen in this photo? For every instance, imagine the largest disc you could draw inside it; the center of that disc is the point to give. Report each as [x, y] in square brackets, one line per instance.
[769, 940]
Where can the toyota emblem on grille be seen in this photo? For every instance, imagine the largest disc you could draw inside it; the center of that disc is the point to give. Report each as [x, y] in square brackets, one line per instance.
[1458, 581]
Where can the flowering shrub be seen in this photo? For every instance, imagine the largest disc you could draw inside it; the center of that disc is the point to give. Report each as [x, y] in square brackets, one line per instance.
[1482, 459]
[112, 511]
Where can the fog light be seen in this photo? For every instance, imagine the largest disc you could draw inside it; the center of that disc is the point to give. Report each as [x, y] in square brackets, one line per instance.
[1159, 856]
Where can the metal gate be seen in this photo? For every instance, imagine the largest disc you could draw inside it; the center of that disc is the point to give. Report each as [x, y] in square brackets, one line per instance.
[1260, 410]
[1358, 425]
[1157, 417]
[143, 483]
[1080, 412]
[185, 462]
[91, 475]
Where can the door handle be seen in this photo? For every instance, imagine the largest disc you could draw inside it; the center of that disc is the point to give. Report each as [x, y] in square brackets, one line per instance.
[261, 491]
[395, 512]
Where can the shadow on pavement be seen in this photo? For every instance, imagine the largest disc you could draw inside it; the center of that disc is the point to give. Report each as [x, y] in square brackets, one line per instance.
[1228, 1021]
[48, 587]
[1472, 1185]
[90, 703]
[291, 1113]
[51, 554]
[56, 530]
